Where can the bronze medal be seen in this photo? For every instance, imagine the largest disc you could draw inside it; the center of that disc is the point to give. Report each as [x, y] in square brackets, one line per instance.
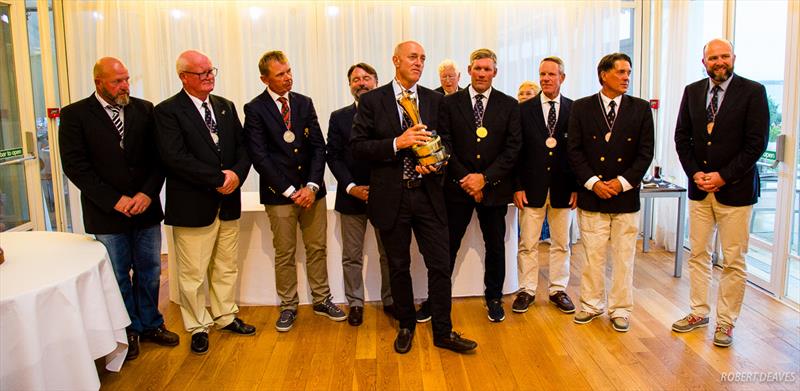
[551, 142]
[288, 136]
[709, 127]
[607, 136]
[482, 132]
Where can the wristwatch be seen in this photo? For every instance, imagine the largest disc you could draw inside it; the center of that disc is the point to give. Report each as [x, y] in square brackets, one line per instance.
[314, 188]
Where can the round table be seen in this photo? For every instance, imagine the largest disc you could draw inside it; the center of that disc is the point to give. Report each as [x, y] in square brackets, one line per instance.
[60, 309]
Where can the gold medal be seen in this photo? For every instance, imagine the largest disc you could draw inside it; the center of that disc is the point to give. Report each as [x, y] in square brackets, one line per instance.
[482, 132]
[288, 136]
[607, 136]
[551, 142]
[709, 127]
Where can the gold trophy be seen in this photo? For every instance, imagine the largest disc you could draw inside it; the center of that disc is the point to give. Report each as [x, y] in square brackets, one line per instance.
[433, 151]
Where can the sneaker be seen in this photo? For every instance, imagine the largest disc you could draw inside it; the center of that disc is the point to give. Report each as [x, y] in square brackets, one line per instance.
[689, 323]
[522, 302]
[563, 302]
[286, 320]
[723, 335]
[584, 317]
[332, 311]
[621, 324]
[424, 312]
[496, 312]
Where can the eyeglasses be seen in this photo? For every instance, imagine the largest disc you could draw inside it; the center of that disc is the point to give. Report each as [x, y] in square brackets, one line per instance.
[204, 75]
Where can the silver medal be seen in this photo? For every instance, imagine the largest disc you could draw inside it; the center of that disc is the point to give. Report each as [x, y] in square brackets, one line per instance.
[288, 136]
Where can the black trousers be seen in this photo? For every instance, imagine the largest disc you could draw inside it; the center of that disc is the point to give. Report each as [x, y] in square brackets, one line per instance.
[417, 214]
[492, 221]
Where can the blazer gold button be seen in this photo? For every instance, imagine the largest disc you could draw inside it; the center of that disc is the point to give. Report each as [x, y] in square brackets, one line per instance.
[602, 158]
[600, 176]
[479, 156]
[295, 150]
[619, 159]
[548, 168]
[705, 162]
[594, 137]
[708, 143]
[299, 167]
[629, 139]
[479, 140]
[551, 153]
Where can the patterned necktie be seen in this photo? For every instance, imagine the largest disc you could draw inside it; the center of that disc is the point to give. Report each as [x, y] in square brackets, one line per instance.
[611, 115]
[478, 110]
[711, 110]
[117, 120]
[408, 162]
[210, 124]
[287, 116]
[551, 117]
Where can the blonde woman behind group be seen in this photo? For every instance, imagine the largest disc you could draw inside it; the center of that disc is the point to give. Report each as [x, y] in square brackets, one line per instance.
[527, 90]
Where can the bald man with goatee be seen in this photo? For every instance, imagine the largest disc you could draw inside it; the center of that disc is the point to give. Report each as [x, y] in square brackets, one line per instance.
[200, 141]
[405, 196]
[108, 151]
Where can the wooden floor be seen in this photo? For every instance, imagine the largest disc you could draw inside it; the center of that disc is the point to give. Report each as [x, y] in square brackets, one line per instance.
[539, 350]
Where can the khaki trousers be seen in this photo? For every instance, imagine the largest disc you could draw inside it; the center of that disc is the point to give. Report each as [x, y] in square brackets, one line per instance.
[353, 229]
[598, 230]
[733, 223]
[283, 220]
[530, 221]
[207, 254]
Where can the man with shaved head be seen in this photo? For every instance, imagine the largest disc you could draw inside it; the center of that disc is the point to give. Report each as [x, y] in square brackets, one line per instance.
[200, 141]
[722, 130]
[405, 196]
[108, 151]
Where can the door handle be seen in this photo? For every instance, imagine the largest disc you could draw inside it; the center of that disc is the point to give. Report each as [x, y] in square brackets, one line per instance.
[17, 160]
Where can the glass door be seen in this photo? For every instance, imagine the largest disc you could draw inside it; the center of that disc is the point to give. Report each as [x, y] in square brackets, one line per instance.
[19, 190]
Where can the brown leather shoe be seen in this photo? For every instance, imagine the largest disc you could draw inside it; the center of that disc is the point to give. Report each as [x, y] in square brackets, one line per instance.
[561, 300]
[133, 346]
[161, 336]
[522, 302]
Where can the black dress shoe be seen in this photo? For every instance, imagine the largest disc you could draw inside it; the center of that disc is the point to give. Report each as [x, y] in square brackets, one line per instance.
[356, 316]
[200, 343]
[240, 327]
[402, 344]
[133, 346]
[161, 336]
[455, 343]
[424, 312]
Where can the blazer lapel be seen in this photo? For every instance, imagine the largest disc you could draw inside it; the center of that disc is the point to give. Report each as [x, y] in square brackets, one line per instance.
[464, 105]
[599, 115]
[563, 117]
[272, 108]
[390, 106]
[100, 112]
[538, 116]
[190, 110]
[731, 93]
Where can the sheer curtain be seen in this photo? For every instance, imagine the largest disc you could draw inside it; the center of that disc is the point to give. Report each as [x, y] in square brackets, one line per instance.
[323, 38]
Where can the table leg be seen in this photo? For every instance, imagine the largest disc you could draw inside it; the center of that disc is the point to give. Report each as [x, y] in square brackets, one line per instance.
[648, 224]
[679, 235]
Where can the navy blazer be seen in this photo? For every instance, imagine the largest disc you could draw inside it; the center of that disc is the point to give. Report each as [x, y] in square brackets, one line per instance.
[281, 164]
[194, 164]
[340, 160]
[375, 126]
[494, 155]
[628, 152]
[740, 136]
[541, 169]
[104, 172]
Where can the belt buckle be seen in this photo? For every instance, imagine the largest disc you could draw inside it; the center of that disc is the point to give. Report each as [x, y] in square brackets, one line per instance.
[412, 183]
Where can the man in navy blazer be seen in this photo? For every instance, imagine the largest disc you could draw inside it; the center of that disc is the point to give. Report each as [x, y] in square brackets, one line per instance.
[199, 137]
[352, 195]
[546, 188]
[107, 144]
[288, 151]
[483, 124]
[610, 147]
[404, 197]
[722, 130]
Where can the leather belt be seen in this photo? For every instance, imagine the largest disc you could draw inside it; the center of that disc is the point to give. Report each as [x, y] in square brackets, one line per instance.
[412, 183]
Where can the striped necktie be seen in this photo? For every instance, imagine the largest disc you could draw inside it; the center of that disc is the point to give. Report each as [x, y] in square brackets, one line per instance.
[117, 120]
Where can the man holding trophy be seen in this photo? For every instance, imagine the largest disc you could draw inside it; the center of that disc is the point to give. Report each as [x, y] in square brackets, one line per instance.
[394, 130]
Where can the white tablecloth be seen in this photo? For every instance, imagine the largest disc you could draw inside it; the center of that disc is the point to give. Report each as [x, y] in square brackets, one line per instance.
[257, 262]
[60, 309]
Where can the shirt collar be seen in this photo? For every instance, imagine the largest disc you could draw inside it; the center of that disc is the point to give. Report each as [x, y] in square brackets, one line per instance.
[102, 101]
[197, 102]
[275, 96]
[472, 93]
[546, 100]
[723, 86]
[398, 89]
[607, 100]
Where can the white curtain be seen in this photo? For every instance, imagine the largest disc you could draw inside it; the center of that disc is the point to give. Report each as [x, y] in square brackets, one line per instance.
[685, 27]
[323, 38]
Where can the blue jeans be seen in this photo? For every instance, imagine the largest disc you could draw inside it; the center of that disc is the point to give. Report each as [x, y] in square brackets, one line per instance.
[139, 250]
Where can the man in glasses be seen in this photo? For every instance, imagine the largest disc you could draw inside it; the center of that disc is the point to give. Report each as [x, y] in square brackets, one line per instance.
[200, 139]
[448, 77]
